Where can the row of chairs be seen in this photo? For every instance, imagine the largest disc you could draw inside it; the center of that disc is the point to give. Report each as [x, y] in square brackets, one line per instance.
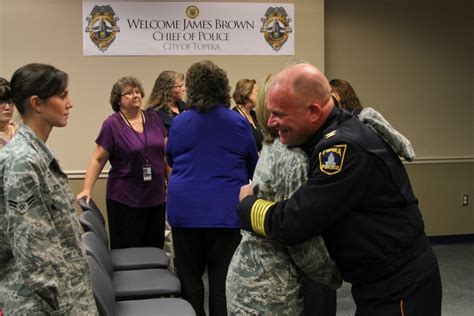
[131, 281]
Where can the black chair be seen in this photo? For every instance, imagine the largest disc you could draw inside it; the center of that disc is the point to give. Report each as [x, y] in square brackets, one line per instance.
[127, 258]
[132, 284]
[108, 306]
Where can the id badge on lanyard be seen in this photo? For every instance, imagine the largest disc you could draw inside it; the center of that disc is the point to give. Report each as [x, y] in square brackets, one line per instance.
[146, 172]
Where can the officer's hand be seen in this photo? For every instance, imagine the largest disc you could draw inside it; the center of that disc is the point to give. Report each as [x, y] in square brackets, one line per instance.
[245, 190]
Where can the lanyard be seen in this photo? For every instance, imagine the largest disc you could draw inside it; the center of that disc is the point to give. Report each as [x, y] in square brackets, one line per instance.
[145, 144]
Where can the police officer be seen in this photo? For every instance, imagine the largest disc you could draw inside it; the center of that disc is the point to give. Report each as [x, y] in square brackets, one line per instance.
[358, 196]
[43, 270]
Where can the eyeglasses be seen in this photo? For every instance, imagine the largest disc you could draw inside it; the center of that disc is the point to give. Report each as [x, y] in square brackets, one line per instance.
[131, 92]
[5, 103]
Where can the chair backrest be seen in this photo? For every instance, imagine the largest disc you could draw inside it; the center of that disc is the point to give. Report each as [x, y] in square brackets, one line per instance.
[91, 207]
[91, 223]
[104, 293]
[95, 248]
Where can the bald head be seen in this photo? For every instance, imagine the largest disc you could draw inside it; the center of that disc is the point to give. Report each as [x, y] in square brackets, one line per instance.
[299, 102]
[304, 80]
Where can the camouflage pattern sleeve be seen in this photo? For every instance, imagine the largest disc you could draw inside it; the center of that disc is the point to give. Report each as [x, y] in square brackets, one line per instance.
[399, 143]
[48, 269]
[34, 243]
[313, 259]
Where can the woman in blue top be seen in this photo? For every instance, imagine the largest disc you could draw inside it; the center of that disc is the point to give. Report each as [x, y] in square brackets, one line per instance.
[212, 153]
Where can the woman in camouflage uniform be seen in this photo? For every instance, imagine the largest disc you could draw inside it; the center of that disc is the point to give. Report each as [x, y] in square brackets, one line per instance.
[43, 270]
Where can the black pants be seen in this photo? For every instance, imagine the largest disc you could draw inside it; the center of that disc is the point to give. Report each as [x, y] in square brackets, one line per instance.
[198, 248]
[319, 300]
[135, 227]
[413, 290]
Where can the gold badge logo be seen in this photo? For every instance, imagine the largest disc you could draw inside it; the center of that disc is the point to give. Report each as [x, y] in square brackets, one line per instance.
[276, 27]
[192, 12]
[331, 159]
[102, 26]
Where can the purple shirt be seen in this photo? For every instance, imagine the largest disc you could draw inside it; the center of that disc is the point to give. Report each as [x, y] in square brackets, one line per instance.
[127, 157]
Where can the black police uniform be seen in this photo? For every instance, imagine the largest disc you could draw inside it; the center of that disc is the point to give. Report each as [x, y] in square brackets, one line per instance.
[359, 197]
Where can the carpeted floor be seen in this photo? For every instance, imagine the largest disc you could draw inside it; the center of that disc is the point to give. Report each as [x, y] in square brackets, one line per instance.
[456, 263]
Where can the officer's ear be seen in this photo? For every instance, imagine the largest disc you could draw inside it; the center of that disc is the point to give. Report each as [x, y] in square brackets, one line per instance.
[315, 112]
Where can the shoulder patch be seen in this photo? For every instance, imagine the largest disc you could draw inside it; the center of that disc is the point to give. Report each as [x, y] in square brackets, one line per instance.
[23, 206]
[332, 159]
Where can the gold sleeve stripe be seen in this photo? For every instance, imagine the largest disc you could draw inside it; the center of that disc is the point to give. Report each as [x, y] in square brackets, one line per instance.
[257, 216]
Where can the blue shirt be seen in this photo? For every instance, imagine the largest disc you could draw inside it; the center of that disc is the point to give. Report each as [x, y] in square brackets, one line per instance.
[212, 154]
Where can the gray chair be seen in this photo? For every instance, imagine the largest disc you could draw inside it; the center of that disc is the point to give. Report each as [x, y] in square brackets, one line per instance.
[128, 258]
[132, 284]
[91, 207]
[108, 306]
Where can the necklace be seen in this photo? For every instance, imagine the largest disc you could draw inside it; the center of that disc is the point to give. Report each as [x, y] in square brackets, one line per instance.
[248, 117]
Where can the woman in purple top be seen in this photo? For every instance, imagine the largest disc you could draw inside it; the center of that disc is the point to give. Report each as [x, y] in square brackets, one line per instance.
[133, 141]
[212, 153]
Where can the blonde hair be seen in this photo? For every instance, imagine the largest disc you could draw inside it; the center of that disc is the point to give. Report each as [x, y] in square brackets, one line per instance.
[269, 134]
[160, 95]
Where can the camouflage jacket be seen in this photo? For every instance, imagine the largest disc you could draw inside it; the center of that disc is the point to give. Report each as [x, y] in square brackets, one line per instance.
[264, 276]
[43, 270]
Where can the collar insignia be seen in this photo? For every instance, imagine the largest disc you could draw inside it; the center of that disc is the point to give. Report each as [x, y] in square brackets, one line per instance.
[332, 159]
[330, 134]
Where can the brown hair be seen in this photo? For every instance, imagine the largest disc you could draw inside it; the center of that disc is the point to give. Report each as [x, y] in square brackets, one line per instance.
[116, 93]
[207, 85]
[348, 99]
[41, 80]
[243, 90]
[160, 95]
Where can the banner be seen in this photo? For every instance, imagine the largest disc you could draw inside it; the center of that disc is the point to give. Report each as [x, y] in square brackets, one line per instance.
[182, 28]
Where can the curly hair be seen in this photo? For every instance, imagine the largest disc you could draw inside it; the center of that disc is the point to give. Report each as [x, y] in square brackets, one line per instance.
[207, 85]
[269, 134]
[117, 88]
[42, 80]
[160, 95]
[348, 99]
[243, 90]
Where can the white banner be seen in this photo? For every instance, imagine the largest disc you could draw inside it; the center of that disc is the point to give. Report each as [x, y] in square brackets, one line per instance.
[182, 28]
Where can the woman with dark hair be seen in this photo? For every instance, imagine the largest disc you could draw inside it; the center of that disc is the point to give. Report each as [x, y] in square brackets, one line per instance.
[133, 141]
[7, 127]
[347, 99]
[212, 154]
[43, 270]
[345, 95]
[245, 95]
[167, 96]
